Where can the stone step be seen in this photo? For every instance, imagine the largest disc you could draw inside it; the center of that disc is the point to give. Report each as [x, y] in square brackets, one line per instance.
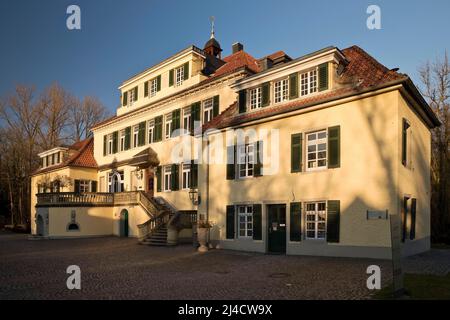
[155, 244]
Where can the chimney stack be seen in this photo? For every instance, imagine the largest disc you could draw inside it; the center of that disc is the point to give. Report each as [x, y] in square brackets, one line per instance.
[236, 47]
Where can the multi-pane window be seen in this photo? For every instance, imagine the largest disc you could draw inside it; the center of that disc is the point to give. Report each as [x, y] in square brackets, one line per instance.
[151, 131]
[186, 175]
[84, 186]
[245, 160]
[179, 76]
[153, 87]
[122, 140]
[168, 130]
[135, 136]
[167, 177]
[186, 119]
[316, 217]
[308, 82]
[255, 98]
[208, 110]
[281, 90]
[245, 216]
[131, 97]
[110, 143]
[316, 152]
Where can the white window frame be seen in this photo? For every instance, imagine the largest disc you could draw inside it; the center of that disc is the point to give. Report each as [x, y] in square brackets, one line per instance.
[255, 98]
[135, 136]
[110, 143]
[308, 82]
[131, 97]
[167, 178]
[85, 186]
[316, 220]
[122, 140]
[168, 126]
[153, 85]
[245, 221]
[179, 76]
[207, 106]
[245, 161]
[186, 176]
[151, 130]
[313, 152]
[281, 90]
[186, 119]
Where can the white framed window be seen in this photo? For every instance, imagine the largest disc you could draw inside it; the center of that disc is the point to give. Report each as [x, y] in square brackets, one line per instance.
[153, 84]
[110, 143]
[245, 158]
[131, 97]
[179, 76]
[135, 136]
[168, 126]
[151, 130]
[208, 110]
[245, 216]
[167, 177]
[255, 98]
[187, 120]
[316, 150]
[186, 173]
[308, 82]
[122, 140]
[281, 90]
[316, 220]
[84, 186]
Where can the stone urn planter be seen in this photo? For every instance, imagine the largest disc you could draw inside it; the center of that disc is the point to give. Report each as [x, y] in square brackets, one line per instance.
[202, 235]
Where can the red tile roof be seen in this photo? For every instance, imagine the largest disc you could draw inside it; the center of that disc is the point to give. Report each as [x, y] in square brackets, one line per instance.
[236, 61]
[82, 155]
[363, 72]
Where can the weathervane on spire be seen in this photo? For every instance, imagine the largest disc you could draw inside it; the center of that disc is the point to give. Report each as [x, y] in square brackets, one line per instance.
[212, 18]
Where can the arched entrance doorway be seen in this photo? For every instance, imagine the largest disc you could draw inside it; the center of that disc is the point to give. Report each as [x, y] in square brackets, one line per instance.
[39, 225]
[123, 225]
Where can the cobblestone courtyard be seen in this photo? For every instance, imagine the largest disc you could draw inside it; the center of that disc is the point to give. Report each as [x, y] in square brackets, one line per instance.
[114, 268]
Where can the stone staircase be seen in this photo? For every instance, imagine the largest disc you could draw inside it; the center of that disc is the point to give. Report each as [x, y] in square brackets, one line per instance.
[157, 238]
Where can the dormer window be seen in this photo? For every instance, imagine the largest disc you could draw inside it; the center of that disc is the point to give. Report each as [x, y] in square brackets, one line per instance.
[179, 76]
[281, 90]
[255, 98]
[308, 82]
[153, 87]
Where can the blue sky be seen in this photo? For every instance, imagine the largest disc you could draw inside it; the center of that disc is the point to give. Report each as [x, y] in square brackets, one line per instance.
[120, 38]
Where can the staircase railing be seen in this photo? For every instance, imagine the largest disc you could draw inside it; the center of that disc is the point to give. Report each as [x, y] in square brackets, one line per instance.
[149, 205]
[147, 228]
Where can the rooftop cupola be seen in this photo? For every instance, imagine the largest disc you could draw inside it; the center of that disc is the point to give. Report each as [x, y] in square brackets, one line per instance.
[212, 46]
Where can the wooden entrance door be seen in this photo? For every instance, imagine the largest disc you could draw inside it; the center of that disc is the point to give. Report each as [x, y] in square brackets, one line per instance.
[276, 228]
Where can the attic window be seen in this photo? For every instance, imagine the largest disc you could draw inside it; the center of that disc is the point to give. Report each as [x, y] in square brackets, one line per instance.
[308, 82]
[179, 76]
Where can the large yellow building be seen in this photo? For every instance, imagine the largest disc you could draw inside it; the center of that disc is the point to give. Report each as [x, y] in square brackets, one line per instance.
[300, 156]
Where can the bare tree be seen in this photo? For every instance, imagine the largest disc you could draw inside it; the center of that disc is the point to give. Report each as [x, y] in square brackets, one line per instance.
[84, 115]
[435, 77]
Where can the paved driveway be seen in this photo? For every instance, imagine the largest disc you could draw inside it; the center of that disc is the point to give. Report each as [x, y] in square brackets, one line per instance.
[114, 268]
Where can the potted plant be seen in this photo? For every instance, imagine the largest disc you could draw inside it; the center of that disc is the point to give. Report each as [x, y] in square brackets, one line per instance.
[202, 235]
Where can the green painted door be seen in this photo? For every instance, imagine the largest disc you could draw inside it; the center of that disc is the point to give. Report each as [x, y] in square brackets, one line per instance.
[124, 223]
[276, 228]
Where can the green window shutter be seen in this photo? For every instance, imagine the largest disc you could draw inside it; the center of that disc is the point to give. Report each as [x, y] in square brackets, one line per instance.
[158, 128]
[141, 134]
[195, 116]
[293, 86]
[296, 221]
[231, 162]
[412, 231]
[296, 152]
[124, 98]
[242, 101]
[175, 178]
[405, 126]
[158, 83]
[93, 186]
[323, 76]
[136, 93]
[171, 77]
[259, 158]
[175, 123]
[257, 222]
[334, 147]
[115, 141]
[333, 220]
[146, 89]
[265, 94]
[194, 175]
[127, 138]
[77, 186]
[158, 179]
[215, 106]
[230, 222]
[105, 137]
[186, 70]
